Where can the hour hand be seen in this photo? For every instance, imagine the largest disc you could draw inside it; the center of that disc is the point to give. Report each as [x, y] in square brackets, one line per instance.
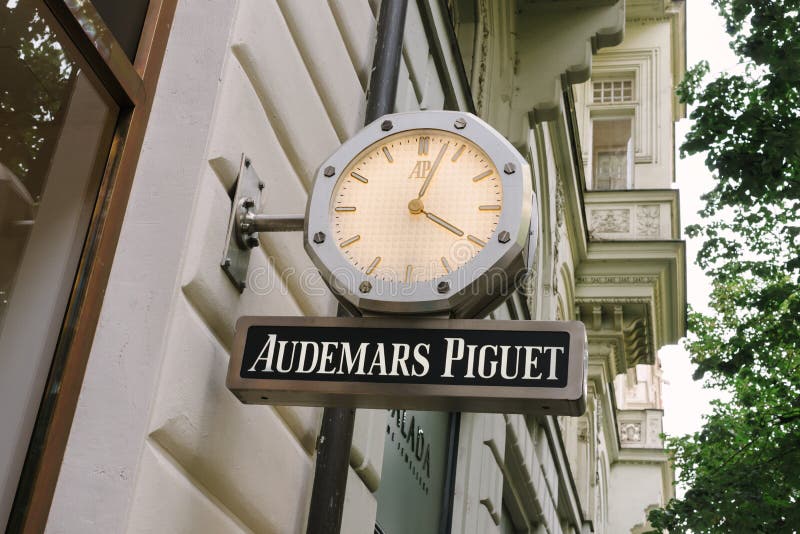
[433, 170]
[444, 224]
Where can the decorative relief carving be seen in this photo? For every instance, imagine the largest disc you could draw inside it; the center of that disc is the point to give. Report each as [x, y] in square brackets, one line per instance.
[630, 432]
[583, 431]
[560, 225]
[648, 220]
[529, 285]
[616, 280]
[617, 355]
[559, 202]
[653, 432]
[638, 349]
[611, 221]
[599, 418]
[648, 21]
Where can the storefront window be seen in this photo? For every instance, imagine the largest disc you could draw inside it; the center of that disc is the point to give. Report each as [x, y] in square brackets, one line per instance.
[55, 133]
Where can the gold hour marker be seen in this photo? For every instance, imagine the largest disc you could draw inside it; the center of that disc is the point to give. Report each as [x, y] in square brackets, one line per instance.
[424, 144]
[482, 175]
[476, 240]
[458, 153]
[349, 208]
[445, 264]
[359, 177]
[408, 274]
[349, 241]
[374, 264]
[388, 155]
[492, 207]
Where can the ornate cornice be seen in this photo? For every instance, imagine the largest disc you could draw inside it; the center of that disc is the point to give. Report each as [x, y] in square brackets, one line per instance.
[628, 331]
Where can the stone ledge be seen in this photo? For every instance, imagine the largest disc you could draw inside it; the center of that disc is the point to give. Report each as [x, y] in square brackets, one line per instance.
[636, 214]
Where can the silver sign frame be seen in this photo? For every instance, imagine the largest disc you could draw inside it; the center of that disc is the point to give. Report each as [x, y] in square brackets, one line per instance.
[567, 400]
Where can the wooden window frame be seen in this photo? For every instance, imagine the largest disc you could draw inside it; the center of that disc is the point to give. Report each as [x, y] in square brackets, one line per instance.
[623, 113]
[604, 85]
[132, 86]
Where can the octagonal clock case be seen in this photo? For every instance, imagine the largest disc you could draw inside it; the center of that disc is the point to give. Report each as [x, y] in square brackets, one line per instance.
[422, 213]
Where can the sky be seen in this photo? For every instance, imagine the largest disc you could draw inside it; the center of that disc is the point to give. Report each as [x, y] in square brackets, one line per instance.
[684, 399]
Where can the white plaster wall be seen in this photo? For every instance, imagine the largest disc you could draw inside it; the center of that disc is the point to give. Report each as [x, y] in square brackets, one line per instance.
[478, 492]
[158, 443]
[636, 488]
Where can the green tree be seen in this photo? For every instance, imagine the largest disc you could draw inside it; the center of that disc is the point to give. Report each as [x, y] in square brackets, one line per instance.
[743, 468]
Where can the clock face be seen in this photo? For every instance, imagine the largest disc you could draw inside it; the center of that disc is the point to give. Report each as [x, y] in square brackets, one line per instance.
[416, 205]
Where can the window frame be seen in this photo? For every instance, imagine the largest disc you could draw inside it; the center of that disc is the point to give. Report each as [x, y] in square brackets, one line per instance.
[622, 80]
[131, 85]
[642, 66]
[615, 113]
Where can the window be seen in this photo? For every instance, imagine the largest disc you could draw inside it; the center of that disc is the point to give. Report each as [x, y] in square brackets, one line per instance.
[625, 82]
[55, 132]
[68, 92]
[612, 112]
[612, 153]
[612, 91]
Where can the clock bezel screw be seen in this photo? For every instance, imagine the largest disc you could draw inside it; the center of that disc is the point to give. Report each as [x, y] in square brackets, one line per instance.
[329, 171]
[386, 126]
[319, 238]
[504, 236]
[443, 286]
[365, 286]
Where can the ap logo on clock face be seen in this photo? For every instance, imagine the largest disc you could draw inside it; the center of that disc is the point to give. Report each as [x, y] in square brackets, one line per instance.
[413, 214]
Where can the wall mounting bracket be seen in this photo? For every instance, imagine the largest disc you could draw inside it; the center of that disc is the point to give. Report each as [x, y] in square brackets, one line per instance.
[245, 223]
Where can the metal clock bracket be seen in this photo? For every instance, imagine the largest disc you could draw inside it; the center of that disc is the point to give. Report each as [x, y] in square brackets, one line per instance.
[245, 223]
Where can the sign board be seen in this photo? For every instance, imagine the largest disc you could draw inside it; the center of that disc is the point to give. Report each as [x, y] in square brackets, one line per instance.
[422, 364]
[414, 474]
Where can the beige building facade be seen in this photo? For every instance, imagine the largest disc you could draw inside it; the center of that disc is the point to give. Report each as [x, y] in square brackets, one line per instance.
[583, 88]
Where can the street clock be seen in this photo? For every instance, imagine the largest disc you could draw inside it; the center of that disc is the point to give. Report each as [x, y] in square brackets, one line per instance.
[422, 213]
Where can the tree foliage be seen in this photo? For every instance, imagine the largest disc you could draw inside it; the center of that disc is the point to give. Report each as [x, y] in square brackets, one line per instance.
[743, 468]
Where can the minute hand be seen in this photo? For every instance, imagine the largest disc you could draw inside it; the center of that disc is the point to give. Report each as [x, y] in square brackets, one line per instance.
[433, 170]
[444, 224]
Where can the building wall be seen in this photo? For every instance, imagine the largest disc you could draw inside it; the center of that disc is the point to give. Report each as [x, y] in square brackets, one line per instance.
[158, 443]
[634, 465]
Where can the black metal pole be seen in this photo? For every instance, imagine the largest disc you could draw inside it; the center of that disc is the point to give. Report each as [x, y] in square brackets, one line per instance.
[336, 432]
[386, 61]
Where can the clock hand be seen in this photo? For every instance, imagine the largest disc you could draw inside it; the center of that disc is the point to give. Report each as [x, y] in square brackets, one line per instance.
[416, 207]
[433, 170]
[444, 224]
